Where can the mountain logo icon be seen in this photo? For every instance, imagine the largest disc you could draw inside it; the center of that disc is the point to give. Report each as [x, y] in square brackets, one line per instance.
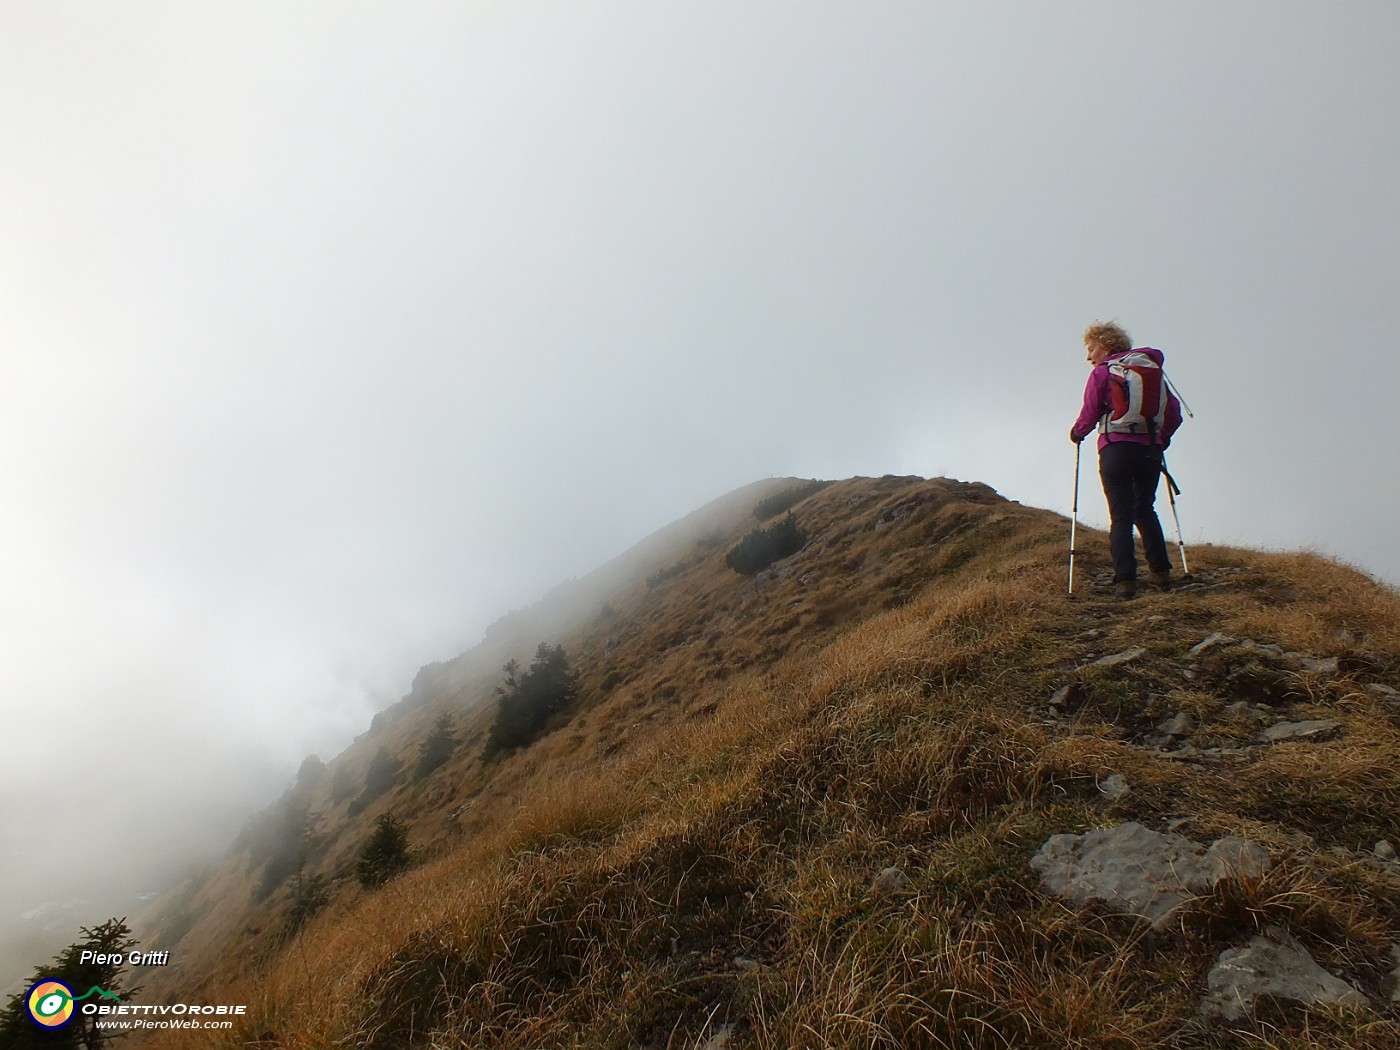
[50, 1004]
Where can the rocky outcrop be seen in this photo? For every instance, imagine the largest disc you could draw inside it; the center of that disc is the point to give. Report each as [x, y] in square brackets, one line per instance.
[1141, 872]
[1266, 696]
[1136, 871]
[1274, 965]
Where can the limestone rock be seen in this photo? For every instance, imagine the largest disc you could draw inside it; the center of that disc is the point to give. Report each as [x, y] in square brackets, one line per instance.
[1232, 856]
[1172, 730]
[1306, 730]
[1113, 787]
[1244, 709]
[1384, 850]
[1214, 639]
[1138, 871]
[1328, 666]
[1117, 659]
[890, 882]
[1276, 966]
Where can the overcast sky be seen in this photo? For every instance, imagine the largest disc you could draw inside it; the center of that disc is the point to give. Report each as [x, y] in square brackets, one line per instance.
[331, 331]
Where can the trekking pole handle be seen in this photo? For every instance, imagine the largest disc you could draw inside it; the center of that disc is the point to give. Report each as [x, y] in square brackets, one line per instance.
[1171, 481]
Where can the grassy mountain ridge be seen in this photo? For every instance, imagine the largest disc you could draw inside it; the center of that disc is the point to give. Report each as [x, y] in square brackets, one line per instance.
[212, 914]
[689, 856]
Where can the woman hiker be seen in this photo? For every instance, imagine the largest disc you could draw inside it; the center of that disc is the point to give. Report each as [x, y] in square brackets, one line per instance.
[1136, 414]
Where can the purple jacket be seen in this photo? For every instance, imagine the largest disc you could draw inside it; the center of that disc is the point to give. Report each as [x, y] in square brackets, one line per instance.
[1096, 404]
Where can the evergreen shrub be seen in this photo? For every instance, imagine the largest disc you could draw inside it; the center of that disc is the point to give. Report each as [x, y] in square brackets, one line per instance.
[310, 893]
[763, 546]
[382, 774]
[528, 698]
[437, 747]
[385, 854]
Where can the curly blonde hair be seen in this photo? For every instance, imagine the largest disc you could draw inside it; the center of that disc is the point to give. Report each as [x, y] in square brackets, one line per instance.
[1109, 335]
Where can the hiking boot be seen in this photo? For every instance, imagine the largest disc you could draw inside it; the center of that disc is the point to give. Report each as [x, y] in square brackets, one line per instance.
[1125, 590]
[1163, 580]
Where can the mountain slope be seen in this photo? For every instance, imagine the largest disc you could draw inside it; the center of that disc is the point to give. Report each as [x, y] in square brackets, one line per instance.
[800, 810]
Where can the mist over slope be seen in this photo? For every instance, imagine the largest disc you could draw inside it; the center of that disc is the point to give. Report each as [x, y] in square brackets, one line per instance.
[799, 807]
[656, 622]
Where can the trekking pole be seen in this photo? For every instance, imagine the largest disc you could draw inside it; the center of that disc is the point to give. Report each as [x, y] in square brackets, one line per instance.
[1074, 521]
[1172, 492]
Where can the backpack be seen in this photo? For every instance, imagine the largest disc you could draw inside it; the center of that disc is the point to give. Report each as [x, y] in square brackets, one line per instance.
[1137, 402]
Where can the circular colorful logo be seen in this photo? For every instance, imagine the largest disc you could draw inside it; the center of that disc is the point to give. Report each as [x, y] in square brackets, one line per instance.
[50, 1004]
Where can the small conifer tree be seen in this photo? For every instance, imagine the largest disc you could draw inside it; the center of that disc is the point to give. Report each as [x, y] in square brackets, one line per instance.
[342, 783]
[309, 895]
[385, 854]
[382, 774]
[527, 699]
[437, 747]
[287, 837]
[112, 939]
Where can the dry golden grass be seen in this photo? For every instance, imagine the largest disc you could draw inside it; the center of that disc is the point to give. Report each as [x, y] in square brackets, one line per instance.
[694, 852]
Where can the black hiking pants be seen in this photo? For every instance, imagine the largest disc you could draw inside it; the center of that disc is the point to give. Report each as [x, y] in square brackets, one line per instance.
[1129, 472]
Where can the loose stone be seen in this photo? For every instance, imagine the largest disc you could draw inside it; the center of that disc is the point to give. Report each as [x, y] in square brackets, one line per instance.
[1328, 666]
[1113, 787]
[890, 882]
[1306, 730]
[1276, 966]
[1215, 639]
[1117, 659]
